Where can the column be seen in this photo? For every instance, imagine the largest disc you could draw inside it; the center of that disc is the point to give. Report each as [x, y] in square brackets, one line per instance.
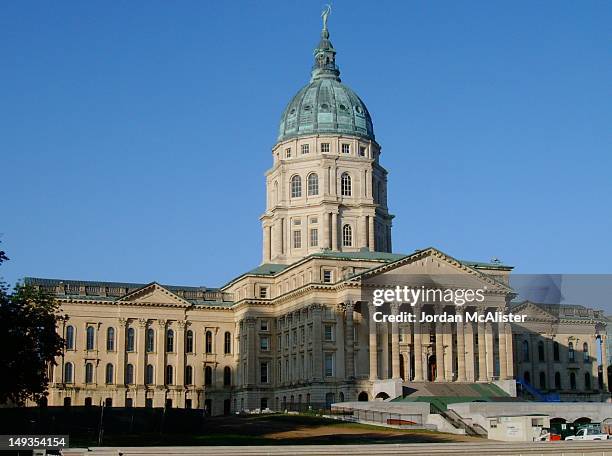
[503, 362]
[468, 332]
[120, 343]
[439, 353]
[510, 352]
[326, 242]
[363, 236]
[180, 353]
[482, 357]
[395, 360]
[594, 362]
[373, 345]
[142, 349]
[251, 373]
[237, 347]
[460, 346]
[604, 362]
[407, 365]
[277, 237]
[489, 350]
[334, 231]
[418, 349]
[371, 233]
[448, 352]
[550, 356]
[266, 244]
[160, 371]
[349, 340]
[317, 341]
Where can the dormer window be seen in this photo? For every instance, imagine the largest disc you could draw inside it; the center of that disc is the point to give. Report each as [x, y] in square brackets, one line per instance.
[305, 149]
[324, 148]
[346, 148]
[362, 151]
[288, 152]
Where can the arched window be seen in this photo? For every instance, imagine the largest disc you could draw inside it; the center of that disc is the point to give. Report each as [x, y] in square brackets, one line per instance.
[90, 337]
[68, 373]
[587, 381]
[89, 373]
[227, 376]
[169, 375]
[188, 375]
[109, 374]
[110, 339]
[150, 340]
[345, 184]
[70, 338]
[541, 351]
[227, 342]
[585, 352]
[130, 340]
[275, 195]
[209, 342]
[296, 187]
[207, 376]
[572, 380]
[556, 350]
[170, 341]
[129, 374]
[571, 355]
[347, 236]
[557, 380]
[525, 351]
[149, 375]
[313, 184]
[189, 342]
[542, 380]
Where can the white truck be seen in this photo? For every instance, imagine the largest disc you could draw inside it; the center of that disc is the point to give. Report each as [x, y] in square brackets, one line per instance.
[588, 434]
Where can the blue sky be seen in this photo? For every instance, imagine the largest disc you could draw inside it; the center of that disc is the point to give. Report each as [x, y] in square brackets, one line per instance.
[132, 133]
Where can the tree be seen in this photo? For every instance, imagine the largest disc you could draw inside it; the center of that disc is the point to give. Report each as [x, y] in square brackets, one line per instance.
[29, 341]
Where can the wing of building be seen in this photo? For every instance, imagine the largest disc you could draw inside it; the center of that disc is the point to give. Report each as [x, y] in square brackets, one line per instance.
[298, 330]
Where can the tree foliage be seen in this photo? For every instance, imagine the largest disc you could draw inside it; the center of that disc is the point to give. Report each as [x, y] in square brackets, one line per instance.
[29, 342]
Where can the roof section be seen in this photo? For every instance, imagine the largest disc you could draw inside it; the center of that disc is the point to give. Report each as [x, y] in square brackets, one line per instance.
[114, 291]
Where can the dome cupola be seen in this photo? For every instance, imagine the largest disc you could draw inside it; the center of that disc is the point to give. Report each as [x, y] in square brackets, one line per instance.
[325, 104]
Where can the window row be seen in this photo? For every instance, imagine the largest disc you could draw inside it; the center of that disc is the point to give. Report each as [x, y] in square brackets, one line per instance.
[558, 383]
[312, 180]
[149, 377]
[571, 353]
[313, 239]
[325, 148]
[130, 340]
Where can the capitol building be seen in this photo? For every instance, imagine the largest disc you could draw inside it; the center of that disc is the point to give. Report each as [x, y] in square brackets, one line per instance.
[297, 331]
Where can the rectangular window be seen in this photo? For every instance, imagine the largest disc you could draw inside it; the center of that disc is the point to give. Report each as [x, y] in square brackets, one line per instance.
[314, 237]
[346, 148]
[305, 149]
[329, 364]
[362, 151]
[297, 239]
[263, 292]
[263, 325]
[288, 152]
[264, 343]
[314, 220]
[324, 148]
[328, 332]
[327, 276]
[264, 372]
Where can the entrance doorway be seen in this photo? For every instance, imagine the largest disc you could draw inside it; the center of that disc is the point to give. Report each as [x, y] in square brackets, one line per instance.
[431, 368]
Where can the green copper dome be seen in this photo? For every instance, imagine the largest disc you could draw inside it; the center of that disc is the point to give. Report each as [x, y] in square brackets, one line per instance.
[325, 105]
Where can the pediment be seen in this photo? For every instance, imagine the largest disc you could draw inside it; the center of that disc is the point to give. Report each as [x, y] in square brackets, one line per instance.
[535, 312]
[154, 294]
[431, 267]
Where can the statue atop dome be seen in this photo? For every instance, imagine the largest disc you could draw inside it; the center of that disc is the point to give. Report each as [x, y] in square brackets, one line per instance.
[325, 14]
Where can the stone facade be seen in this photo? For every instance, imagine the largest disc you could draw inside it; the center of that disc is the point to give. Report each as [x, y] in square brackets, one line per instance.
[296, 331]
